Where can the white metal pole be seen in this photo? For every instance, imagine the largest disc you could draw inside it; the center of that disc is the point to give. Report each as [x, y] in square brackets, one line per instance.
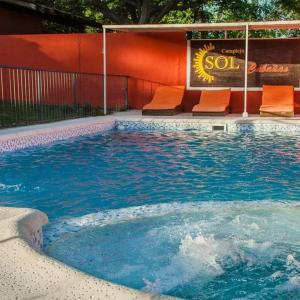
[104, 72]
[245, 113]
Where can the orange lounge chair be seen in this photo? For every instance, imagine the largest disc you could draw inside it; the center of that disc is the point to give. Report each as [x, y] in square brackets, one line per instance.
[166, 101]
[277, 100]
[213, 103]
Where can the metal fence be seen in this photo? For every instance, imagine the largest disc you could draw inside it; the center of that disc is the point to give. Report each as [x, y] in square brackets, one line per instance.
[31, 96]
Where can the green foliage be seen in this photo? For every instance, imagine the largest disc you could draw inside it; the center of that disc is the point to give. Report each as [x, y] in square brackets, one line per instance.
[12, 114]
[180, 11]
[179, 17]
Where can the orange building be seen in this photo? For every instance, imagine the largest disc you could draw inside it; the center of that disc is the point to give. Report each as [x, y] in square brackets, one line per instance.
[147, 59]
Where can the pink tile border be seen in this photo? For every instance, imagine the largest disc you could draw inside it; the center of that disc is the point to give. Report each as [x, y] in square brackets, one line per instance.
[30, 138]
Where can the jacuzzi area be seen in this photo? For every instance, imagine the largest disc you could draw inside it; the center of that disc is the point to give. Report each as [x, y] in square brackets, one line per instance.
[193, 208]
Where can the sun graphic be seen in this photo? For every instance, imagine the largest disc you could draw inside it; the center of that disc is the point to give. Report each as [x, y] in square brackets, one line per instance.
[198, 63]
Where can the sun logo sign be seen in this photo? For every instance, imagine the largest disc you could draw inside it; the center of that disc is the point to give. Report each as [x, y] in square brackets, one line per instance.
[199, 63]
[205, 61]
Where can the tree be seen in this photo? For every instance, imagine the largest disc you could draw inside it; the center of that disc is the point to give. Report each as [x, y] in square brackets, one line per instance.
[179, 11]
[289, 7]
[136, 11]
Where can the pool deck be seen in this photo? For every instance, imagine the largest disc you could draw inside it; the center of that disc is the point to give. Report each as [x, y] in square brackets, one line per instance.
[73, 123]
[134, 120]
[137, 115]
[26, 273]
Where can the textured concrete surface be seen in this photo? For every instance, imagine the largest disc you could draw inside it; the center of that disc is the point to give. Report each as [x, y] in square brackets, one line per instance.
[26, 273]
[13, 139]
[133, 120]
[137, 115]
[41, 128]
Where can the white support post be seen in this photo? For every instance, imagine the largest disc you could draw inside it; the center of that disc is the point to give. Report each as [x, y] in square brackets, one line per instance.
[245, 113]
[104, 73]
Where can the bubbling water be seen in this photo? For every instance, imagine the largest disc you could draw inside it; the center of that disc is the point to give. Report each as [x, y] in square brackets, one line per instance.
[190, 250]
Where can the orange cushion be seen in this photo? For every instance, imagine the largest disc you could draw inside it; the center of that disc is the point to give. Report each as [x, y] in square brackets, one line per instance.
[213, 101]
[166, 97]
[278, 95]
[277, 108]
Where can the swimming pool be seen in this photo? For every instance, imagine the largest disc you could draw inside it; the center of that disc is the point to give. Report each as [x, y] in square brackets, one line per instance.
[189, 214]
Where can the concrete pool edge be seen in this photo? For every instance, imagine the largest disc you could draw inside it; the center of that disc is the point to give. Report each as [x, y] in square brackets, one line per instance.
[18, 138]
[209, 124]
[27, 273]
[12, 139]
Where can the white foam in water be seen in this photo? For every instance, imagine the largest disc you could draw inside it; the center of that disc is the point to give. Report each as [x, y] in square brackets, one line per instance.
[6, 188]
[276, 275]
[186, 242]
[121, 215]
[196, 256]
[290, 260]
[113, 216]
[10, 187]
[293, 284]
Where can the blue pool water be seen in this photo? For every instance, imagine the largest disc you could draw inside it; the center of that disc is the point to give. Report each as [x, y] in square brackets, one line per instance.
[193, 215]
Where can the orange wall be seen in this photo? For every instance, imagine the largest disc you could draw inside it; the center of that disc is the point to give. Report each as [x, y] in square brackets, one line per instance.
[65, 52]
[144, 57]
